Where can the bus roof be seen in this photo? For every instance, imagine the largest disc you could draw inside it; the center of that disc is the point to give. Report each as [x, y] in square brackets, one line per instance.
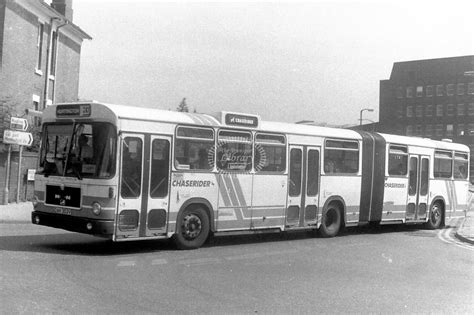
[425, 142]
[114, 113]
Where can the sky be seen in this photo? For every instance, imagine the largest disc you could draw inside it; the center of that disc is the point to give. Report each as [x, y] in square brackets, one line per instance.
[285, 61]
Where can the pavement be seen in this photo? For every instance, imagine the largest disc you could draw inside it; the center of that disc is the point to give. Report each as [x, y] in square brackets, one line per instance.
[21, 213]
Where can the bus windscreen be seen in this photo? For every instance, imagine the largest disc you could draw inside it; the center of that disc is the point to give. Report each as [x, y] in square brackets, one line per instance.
[78, 150]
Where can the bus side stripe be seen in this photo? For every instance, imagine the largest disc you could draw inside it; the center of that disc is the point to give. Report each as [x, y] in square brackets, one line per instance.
[230, 189]
[195, 120]
[448, 194]
[207, 120]
[455, 195]
[240, 194]
[223, 190]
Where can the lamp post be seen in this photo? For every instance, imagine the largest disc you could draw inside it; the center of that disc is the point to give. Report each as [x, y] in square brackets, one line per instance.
[362, 110]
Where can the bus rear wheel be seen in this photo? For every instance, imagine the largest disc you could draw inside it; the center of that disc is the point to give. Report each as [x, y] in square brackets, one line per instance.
[435, 217]
[192, 228]
[331, 221]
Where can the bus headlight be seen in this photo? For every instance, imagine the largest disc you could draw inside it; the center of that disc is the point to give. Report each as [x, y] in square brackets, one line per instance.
[96, 208]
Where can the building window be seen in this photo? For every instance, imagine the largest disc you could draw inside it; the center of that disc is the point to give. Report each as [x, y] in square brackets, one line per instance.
[460, 130]
[419, 91]
[450, 110]
[419, 111]
[400, 92]
[401, 111]
[39, 46]
[36, 107]
[419, 130]
[470, 110]
[429, 90]
[439, 130]
[470, 129]
[460, 109]
[450, 89]
[410, 92]
[409, 130]
[429, 110]
[439, 110]
[449, 130]
[470, 88]
[460, 89]
[429, 130]
[409, 111]
[439, 90]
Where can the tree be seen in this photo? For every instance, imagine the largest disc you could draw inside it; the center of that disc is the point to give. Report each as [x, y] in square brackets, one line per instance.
[183, 107]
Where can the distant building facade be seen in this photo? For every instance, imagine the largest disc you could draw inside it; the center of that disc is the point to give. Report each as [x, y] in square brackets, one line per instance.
[431, 98]
[40, 51]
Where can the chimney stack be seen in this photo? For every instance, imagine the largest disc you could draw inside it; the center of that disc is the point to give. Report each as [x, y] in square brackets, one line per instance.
[64, 7]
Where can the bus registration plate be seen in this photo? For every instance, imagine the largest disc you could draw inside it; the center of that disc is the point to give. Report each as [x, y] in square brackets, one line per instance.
[65, 211]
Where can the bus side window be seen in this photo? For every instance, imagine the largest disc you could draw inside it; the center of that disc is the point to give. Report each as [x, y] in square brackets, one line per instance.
[397, 160]
[193, 148]
[341, 156]
[159, 168]
[461, 162]
[131, 167]
[443, 164]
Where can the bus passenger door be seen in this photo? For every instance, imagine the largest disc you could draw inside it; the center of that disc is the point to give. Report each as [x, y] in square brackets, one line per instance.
[158, 191]
[295, 183]
[312, 172]
[131, 186]
[418, 181]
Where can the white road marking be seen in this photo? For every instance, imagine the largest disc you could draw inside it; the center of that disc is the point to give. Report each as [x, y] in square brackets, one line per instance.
[159, 262]
[199, 261]
[126, 263]
[447, 236]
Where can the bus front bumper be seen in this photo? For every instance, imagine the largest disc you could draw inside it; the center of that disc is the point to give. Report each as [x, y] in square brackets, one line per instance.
[103, 228]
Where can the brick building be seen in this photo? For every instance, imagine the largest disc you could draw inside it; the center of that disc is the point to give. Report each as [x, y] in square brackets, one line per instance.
[40, 49]
[430, 98]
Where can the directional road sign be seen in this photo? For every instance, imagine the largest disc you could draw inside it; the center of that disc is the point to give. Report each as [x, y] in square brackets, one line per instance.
[17, 137]
[18, 123]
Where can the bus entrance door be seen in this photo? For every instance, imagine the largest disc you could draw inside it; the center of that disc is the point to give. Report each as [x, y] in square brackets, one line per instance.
[159, 175]
[131, 187]
[418, 181]
[303, 186]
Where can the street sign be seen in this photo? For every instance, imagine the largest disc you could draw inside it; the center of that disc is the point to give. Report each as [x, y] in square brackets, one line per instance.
[17, 137]
[31, 174]
[18, 123]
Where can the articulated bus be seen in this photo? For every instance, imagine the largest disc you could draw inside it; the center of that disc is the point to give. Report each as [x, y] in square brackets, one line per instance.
[131, 173]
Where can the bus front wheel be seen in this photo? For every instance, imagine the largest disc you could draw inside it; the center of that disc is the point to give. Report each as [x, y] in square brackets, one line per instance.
[331, 221]
[435, 217]
[192, 228]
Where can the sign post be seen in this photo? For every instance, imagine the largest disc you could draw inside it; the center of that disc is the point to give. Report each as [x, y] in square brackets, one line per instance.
[7, 178]
[18, 123]
[17, 137]
[21, 138]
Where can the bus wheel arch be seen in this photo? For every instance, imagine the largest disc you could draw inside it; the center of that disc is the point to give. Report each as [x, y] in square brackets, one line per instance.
[436, 214]
[332, 218]
[193, 225]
